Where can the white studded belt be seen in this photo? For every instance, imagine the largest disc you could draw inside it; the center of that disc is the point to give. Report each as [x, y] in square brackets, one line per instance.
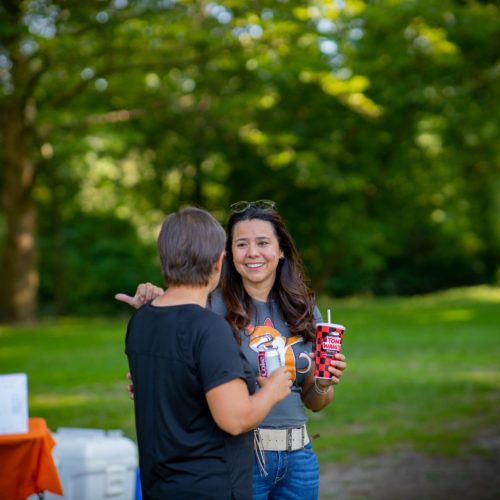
[282, 439]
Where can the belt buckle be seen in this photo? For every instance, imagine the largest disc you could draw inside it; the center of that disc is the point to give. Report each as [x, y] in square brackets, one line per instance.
[289, 439]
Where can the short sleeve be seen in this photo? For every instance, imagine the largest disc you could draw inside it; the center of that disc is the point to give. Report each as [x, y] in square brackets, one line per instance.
[216, 304]
[317, 315]
[218, 355]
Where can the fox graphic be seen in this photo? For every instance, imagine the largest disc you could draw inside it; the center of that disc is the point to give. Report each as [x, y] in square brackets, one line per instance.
[266, 336]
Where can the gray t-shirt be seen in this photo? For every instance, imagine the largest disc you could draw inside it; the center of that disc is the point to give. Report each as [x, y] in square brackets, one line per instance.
[268, 328]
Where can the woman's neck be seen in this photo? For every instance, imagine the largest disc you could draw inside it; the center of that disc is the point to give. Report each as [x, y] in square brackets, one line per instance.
[260, 293]
[182, 295]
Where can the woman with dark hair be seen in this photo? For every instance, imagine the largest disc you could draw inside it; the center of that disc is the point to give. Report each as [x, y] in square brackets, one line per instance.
[264, 296]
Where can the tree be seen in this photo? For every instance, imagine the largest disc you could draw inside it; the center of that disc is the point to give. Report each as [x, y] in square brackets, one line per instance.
[85, 66]
[56, 58]
[372, 125]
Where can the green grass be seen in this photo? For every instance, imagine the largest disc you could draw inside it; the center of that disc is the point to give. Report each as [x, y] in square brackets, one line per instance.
[423, 372]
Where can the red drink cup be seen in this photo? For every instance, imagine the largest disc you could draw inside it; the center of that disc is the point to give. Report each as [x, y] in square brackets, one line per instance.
[328, 342]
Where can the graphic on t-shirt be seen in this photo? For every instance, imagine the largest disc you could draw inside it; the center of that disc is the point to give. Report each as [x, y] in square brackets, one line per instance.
[266, 336]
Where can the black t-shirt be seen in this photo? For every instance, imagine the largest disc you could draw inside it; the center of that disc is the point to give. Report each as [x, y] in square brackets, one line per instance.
[176, 354]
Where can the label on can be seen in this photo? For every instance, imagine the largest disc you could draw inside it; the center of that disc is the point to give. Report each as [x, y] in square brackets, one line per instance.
[261, 360]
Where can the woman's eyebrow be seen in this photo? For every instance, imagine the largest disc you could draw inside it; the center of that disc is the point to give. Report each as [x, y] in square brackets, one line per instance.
[247, 238]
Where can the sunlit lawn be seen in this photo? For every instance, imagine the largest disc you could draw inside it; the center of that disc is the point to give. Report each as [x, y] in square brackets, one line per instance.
[423, 372]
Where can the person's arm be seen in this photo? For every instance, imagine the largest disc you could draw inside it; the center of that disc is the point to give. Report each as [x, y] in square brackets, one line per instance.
[318, 393]
[235, 411]
[145, 292]
[130, 387]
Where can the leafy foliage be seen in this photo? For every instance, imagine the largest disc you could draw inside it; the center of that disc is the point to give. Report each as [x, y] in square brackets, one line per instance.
[372, 125]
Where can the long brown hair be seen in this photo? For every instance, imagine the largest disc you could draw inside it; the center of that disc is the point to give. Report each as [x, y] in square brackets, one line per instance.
[290, 292]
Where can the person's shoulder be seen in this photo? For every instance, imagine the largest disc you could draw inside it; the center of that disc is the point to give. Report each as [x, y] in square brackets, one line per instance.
[208, 318]
[138, 313]
[216, 303]
[212, 327]
[317, 314]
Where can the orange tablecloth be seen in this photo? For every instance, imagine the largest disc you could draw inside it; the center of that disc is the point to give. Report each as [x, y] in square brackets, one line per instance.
[26, 463]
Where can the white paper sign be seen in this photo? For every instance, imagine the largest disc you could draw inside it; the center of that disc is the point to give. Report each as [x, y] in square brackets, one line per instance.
[14, 403]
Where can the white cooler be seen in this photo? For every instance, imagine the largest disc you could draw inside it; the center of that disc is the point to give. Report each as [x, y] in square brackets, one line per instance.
[94, 464]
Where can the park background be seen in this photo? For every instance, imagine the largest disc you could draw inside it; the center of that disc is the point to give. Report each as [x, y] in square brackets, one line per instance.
[373, 125]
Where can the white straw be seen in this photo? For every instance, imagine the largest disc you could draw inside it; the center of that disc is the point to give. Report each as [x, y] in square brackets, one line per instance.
[329, 317]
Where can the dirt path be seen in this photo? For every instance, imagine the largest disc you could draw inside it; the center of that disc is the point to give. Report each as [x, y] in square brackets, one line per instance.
[408, 475]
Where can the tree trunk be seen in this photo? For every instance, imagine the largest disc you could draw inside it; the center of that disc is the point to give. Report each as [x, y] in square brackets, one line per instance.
[19, 263]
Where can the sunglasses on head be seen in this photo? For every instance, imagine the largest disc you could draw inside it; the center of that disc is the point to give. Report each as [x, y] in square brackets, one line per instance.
[241, 206]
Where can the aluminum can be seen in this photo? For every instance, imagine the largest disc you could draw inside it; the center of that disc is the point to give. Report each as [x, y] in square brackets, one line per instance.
[269, 360]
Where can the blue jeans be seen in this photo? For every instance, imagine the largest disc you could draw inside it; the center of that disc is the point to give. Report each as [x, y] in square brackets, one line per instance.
[291, 475]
